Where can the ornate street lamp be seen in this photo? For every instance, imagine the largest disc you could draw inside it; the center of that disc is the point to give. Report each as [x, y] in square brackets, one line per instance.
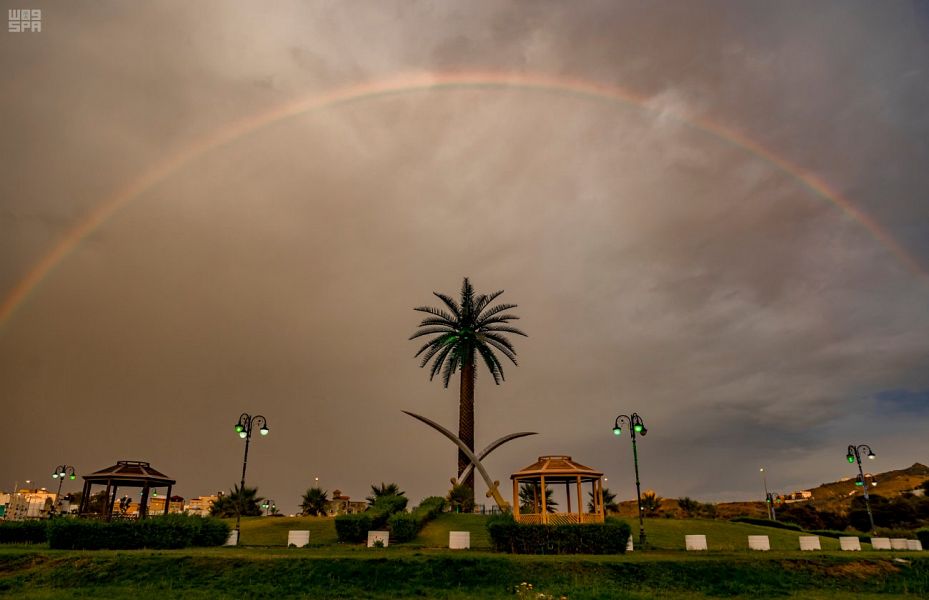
[244, 428]
[269, 506]
[636, 426]
[62, 471]
[772, 499]
[853, 455]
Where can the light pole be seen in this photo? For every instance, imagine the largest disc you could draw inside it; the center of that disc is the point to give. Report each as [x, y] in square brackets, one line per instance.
[852, 455]
[269, 506]
[767, 496]
[60, 472]
[771, 499]
[636, 425]
[244, 428]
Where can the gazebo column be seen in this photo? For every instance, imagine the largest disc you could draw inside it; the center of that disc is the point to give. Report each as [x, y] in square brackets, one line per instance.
[106, 499]
[516, 499]
[544, 507]
[168, 499]
[567, 493]
[111, 501]
[580, 501]
[143, 502]
[85, 496]
[599, 495]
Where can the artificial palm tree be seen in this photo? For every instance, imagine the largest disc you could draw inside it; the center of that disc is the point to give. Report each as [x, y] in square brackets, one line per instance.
[530, 498]
[314, 502]
[245, 502]
[461, 332]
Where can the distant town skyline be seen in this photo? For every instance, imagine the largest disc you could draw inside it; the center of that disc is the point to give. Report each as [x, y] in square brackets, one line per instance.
[711, 213]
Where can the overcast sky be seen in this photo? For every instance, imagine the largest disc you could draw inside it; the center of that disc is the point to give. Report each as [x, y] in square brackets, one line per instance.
[658, 268]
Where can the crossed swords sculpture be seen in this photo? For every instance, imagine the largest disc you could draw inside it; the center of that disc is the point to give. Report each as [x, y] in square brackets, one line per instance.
[492, 486]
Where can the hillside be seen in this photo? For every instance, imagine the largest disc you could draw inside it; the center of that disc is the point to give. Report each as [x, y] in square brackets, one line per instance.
[835, 496]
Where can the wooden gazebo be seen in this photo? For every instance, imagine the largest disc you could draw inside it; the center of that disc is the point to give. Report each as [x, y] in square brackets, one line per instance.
[552, 471]
[125, 473]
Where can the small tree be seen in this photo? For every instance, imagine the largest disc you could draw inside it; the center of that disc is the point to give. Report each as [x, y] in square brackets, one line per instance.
[460, 498]
[314, 502]
[688, 506]
[609, 502]
[651, 502]
[245, 502]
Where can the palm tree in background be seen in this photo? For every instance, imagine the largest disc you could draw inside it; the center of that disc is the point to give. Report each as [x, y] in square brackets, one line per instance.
[530, 498]
[461, 332]
[382, 491]
[246, 502]
[609, 502]
[314, 502]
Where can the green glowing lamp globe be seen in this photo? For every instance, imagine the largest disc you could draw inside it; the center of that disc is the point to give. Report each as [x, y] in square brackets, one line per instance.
[239, 428]
[73, 477]
[850, 458]
[617, 431]
[638, 428]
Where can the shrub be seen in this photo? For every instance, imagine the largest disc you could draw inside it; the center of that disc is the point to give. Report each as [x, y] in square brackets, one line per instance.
[169, 531]
[406, 526]
[354, 528]
[390, 504]
[23, 532]
[766, 523]
[609, 537]
[923, 536]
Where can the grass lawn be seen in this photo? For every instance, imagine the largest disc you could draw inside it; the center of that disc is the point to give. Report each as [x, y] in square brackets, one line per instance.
[264, 567]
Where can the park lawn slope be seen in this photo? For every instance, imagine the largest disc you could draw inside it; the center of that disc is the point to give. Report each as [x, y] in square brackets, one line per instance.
[376, 574]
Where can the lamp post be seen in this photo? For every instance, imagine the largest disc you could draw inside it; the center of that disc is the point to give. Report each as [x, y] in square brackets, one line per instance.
[853, 455]
[60, 472]
[767, 496]
[269, 505]
[244, 428]
[772, 499]
[636, 425]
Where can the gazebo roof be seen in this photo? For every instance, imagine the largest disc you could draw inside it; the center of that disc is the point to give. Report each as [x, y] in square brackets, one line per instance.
[128, 472]
[556, 466]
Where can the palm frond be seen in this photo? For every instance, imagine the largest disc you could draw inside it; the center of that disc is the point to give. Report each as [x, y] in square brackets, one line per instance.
[433, 346]
[449, 302]
[432, 329]
[451, 366]
[438, 312]
[493, 365]
[439, 359]
[483, 300]
[510, 354]
[503, 329]
[497, 309]
[504, 319]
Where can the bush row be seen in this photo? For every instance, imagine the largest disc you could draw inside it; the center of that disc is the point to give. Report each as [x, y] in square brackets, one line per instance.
[609, 537]
[923, 536]
[23, 532]
[169, 531]
[766, 523]
[406, 526]
[354, 528]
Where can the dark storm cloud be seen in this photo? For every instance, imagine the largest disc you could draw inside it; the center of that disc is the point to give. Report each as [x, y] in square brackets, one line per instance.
[658, 268]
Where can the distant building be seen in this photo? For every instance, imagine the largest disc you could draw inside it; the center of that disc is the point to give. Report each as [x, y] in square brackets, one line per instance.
[343, 505]
[156, 506]
[200, 506]
[801, 496]
[29, 504]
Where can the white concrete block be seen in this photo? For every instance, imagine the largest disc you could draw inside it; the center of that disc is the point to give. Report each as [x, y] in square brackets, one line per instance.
[233, 539]
[914, 545]
[880, 543]
[378, 536]
[898, 544]
[695, 542]
[849, 543]
[298, 537]
[459, 540]
[809, 542]
[629, 545]
[758, 542]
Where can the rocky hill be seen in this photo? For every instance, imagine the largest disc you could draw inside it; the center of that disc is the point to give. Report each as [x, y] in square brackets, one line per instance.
[837, 496]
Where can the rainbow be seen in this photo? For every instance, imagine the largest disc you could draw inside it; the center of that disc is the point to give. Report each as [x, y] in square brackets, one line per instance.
[405, 84]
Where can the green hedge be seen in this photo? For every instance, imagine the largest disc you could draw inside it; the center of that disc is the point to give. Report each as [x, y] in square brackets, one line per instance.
[766, 523]
[169, 531]
[354, 528]
[923, 536]
[23, 532]
[609, 537]
[406, 526]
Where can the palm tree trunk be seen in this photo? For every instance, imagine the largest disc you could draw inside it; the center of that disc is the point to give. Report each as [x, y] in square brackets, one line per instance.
[466, 421]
